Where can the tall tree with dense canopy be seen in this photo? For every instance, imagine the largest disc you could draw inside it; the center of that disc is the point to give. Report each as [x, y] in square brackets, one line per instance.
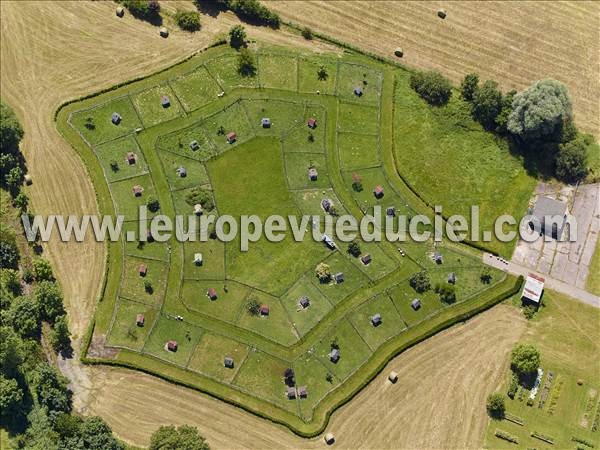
[50, 300]
[539, 110]
[495, 405]
[432, 87]
[469, 86]
[525, 359]
[571, 161]
[11, 397]
[486, 104]
[11, 131]
[237, 36]
[181, 438]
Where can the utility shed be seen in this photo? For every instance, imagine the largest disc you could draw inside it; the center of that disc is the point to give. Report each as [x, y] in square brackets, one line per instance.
[304, 302]
[313, 174]
[551, 216]
[366, 259]
[291, 393]
[165, 101]
[390, 211]
[533, 289]
[140, 320]
[182, 172]
[198, 259]
[115, 118]
[212, 293]
[130, 158]
[172, 346]
[228, 362]
[312, 122]
[334, 355]
[198, 209]
[376, 320]
[231, 137]
[452, 278]
[194, 145]
[339, 277]
[137, 190]
[143, 270]
[416, 304]
[302, 392]
[265, 122]
[378, 191]
[358, 91]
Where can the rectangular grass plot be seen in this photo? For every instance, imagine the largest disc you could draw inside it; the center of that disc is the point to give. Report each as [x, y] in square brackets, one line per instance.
[277, 71]
[196, 89]
[121, 158]
[358, 118]
[359, 83]
[157, 105]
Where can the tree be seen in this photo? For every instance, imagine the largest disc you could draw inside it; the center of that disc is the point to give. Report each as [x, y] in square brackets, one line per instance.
[9, 255]
[114, 165]
[11, 397]
[357, 182]
[539, 110]
[525, 359]
[42, 270]
[11, 352]
[495, 405]
[246, 63]
[307, 33]
[252, 11]
[571, 161]
[39, 434]
[93, 433]
[153, 204]
[505, 110]
[432, 87]
[13, 179]
[420, 281]
[181, 438]
[51, 390]
[21, 201]
[354, 249]
[11, 131]
[486, 275]
[148, 286]
[10, 283]
[24, 316]
[50, 300]
[143, 9]
[447, 293]
[322, 74]
[237, 36]
[253, 307]
[469, 86]
[61, 336]
[486, 104]
[187, 20]
[323, 272]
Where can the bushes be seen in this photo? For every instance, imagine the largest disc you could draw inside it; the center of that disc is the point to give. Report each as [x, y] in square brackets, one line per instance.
[187, 20]
[354, 249]
[469, 86]
[323, 272]
[307, 33]
[420, 281]
[432, 87]
[486, 104]
[246, 63]
[143, 9]
[495, 405]
[447, 293]
[237, 36]
[513, 387]
[251, 11]
[571, 161]
[506, 436]
[525, 359]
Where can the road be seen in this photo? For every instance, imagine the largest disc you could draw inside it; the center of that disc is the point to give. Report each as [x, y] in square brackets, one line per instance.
[556, 285]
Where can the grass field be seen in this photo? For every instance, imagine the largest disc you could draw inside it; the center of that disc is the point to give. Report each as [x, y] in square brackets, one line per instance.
[566, 333]
[593, 281]
[78, 266]
[264, 172]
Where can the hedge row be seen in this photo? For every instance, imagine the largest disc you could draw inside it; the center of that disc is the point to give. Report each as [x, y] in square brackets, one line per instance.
[506, 436]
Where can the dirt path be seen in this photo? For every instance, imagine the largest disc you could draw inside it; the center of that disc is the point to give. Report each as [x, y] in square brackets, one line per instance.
[512, 42]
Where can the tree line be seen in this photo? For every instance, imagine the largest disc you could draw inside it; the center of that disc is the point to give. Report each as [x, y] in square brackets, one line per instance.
[538, 122]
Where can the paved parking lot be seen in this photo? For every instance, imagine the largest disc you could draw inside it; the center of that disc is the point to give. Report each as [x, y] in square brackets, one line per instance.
[566, 261]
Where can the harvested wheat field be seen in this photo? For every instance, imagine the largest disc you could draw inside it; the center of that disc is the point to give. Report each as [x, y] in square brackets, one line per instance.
[513, 43]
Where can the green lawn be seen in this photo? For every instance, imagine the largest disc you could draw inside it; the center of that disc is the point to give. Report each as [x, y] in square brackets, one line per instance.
[149, 106]
[265, 173]
[451, 161]
[209, 355]
[567, 335]
[308, 75]
[259, 164]
[125, 332]
[278, 71]
[95, 124]
[196, 89]
[117, 151]
[168, 329]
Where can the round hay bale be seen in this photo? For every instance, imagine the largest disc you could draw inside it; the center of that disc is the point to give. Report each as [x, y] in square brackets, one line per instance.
[28, 180]
[441, 13]
[164, 32]
[399, 52]
[120, 11]
[329, 438]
